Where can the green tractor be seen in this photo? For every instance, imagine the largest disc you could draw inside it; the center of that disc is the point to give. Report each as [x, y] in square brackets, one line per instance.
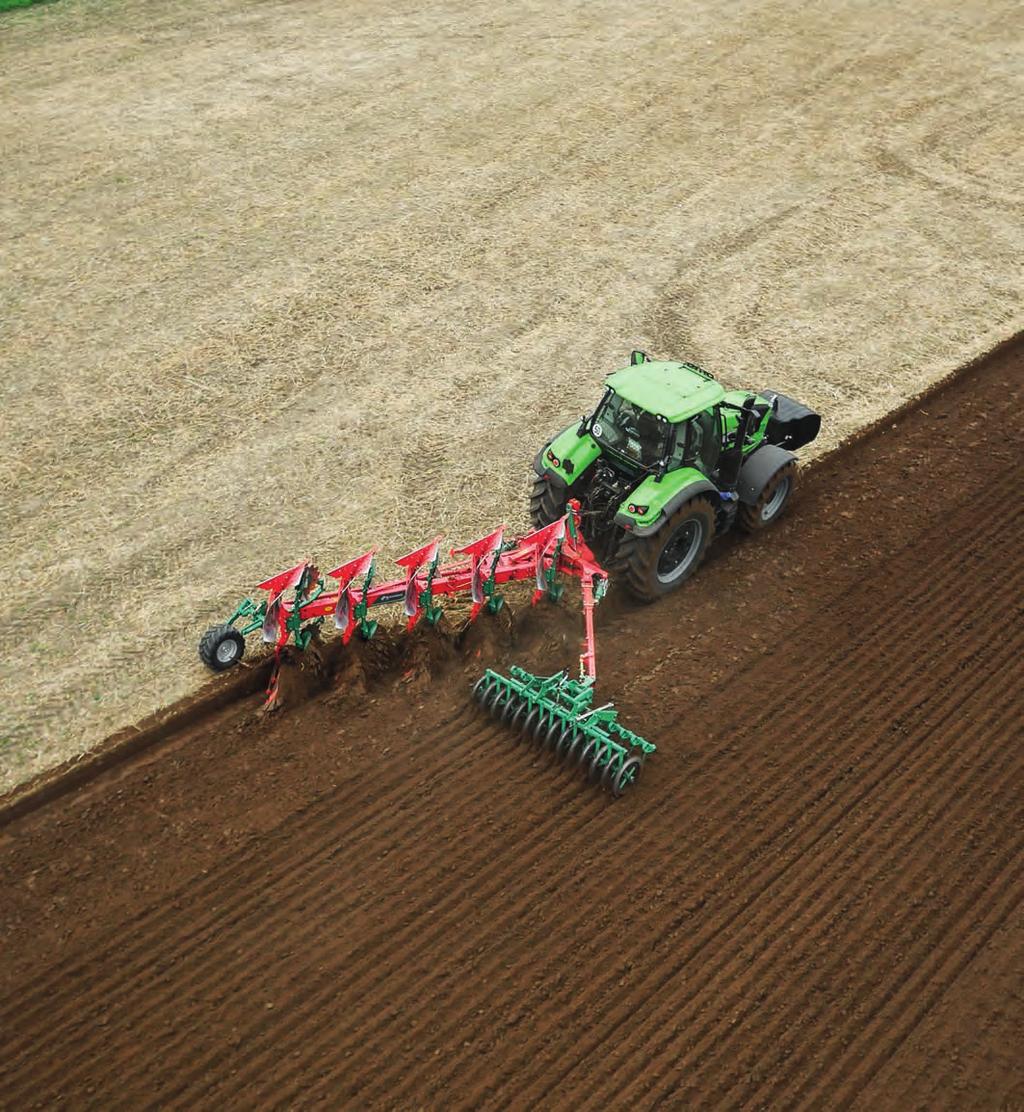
[667, 461]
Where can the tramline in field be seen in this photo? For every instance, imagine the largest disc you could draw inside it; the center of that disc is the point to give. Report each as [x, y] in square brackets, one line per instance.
[667, 461]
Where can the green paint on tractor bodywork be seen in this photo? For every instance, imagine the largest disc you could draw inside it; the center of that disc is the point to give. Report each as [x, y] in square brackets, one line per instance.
[579, 451]
[676, 391]
[558, 711]
[653, 493]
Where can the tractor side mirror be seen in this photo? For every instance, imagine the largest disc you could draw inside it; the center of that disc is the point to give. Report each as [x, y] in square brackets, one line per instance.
[637, 357]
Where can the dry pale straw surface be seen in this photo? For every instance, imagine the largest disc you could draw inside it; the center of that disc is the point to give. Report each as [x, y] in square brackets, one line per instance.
[291, 278]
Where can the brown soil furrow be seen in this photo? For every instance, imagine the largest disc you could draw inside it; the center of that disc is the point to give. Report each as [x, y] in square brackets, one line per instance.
[418, 942]
[354, 954]
[297, 877]
[810, 696]
[587, 917]
[429, 915]
[985, 900]
[921, 991]
[864, 697]
[864, 652]
[766, 937]
[309, 827]
[917, 741]
[267, 1039]
[710, 933]
[485, 972]
[763, 937]
[597, 942]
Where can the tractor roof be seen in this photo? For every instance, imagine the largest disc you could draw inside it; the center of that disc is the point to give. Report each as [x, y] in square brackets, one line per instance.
[673, 390]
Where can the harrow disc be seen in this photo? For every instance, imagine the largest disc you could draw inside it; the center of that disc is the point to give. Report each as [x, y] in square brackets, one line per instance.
[626, 775]
[558, 714]
[586, 754]
[554, 732]
[517, 718]
[481, 688]
[493, 701]
[566, 740]
[596, 766]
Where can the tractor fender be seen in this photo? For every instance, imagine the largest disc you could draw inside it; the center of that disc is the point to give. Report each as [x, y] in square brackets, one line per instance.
[691, 490]
[758, 468]
[575, 454]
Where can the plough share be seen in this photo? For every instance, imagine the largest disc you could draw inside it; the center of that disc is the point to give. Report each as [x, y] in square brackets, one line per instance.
[556, 711]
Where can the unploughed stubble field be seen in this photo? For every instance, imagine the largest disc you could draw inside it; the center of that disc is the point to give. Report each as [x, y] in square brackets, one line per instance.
[297, 278]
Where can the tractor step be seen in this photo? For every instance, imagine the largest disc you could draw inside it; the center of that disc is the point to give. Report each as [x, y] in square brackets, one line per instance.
[557, 713]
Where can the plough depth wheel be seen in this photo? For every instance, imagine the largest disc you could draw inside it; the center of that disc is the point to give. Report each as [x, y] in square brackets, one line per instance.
[221, 647]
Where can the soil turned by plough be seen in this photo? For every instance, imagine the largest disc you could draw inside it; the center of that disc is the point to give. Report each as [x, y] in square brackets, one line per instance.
[375, 898]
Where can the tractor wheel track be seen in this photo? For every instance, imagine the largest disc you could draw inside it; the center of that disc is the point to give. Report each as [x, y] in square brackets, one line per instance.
[467, 925]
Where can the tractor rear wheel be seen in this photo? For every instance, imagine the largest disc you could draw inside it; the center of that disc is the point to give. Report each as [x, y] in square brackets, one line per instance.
[770, 503]
[655, 565]
[547, 504]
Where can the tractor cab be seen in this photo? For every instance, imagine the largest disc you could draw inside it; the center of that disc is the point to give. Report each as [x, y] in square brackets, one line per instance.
[660, 415]
[669, 453]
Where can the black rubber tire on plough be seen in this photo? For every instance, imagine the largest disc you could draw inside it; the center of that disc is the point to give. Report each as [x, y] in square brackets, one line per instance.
[546, 503]
[771, 502]
[637, 559]
[221, 647]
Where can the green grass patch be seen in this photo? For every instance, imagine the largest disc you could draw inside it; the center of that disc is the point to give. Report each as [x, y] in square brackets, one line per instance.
[10, 5]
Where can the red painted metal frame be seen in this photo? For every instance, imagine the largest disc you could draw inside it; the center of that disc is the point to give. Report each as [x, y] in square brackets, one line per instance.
[490, 560]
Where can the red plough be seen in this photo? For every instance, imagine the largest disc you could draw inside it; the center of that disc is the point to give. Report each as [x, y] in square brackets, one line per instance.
[299, 600]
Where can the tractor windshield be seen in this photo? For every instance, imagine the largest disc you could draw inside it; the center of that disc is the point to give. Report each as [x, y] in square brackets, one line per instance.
[631, 431]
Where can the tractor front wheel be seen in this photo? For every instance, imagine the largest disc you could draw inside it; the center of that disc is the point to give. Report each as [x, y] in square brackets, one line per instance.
[770, 503]
[221, 648]
[655, 565]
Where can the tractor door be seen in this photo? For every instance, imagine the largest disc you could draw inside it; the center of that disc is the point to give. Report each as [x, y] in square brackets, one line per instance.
[699, 442]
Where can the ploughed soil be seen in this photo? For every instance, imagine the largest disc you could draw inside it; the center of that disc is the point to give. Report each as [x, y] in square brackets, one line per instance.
[378, 897]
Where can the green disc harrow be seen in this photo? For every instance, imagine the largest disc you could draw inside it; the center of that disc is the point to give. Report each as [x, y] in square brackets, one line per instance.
[558, 714]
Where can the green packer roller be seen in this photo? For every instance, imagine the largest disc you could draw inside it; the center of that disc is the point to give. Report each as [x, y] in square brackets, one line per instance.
[557, 712]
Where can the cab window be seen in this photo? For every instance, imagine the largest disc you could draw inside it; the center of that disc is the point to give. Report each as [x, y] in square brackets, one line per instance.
[630, 430]
[698, 442]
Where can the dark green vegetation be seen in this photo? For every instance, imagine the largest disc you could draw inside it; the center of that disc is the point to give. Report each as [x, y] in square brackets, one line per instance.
[9, 5]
